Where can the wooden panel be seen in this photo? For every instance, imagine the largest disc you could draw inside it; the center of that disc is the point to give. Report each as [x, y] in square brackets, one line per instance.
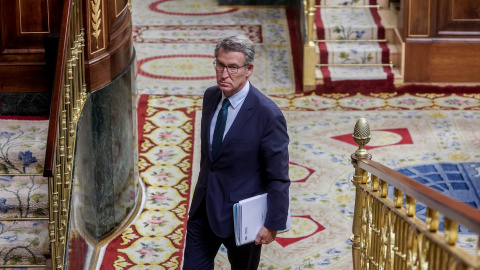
[34, 16]
[25, 23]
[118, 23]
[401, 20]
[416, 62]
[419, 18]
[95, 26]
[23, 79]
[465, 10]
[103, 65]
[458, 17]
[461, 65]
[120, 6]
[102, 72]
[442, 62]
[23, 26]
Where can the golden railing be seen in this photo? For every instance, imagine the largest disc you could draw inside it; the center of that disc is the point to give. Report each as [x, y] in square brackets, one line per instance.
[68, 97]
[309, 49]
[386, 232]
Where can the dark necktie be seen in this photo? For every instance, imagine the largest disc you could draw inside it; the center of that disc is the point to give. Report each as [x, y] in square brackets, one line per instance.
[220, 126]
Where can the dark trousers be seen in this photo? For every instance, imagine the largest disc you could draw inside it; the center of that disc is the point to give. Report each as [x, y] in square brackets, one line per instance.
[202, 246]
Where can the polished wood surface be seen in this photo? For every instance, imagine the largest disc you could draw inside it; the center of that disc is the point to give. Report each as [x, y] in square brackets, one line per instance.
[108, 25]
[442, 41]
[58, 83]
[418, 18]
[24, 24]
[440, 18]
[458, 18]
[23, 79]
[442, 62]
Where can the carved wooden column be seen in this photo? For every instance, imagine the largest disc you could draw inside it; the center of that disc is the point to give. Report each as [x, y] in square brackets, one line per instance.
[107, 191]
[108, 38]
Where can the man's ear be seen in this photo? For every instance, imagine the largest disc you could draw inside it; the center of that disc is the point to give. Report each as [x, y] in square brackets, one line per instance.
[250, 70]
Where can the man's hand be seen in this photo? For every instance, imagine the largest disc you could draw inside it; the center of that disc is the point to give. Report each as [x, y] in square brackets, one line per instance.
[265, 236]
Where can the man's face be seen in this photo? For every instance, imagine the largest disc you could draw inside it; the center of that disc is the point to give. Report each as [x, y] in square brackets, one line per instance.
[230, 84]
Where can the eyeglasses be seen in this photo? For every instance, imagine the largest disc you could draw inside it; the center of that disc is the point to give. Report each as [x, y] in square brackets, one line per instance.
[231, 70]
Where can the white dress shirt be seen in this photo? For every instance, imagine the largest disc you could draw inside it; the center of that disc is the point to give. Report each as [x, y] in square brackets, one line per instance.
[236, 102]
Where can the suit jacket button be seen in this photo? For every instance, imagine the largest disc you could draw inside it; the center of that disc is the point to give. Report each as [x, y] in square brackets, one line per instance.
[212, 169]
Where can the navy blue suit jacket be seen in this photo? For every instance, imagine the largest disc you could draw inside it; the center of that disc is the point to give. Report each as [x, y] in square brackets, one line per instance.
[252, 160]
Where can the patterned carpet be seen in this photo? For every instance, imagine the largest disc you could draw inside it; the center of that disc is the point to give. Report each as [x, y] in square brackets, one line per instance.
[23, 191]
[322, 194]
[175, 42]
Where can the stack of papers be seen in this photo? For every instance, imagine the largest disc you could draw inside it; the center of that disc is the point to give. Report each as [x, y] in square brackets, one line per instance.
[249, 217]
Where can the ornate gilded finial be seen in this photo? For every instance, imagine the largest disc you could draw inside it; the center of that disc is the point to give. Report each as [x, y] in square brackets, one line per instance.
[361, 135]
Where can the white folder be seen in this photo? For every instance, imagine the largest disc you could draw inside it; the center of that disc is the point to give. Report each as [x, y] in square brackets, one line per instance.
[249, 217]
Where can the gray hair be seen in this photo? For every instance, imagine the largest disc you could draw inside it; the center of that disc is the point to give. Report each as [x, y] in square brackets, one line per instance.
[239, 43]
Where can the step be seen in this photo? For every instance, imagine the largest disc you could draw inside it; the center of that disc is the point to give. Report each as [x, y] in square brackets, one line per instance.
[22, 146]
[397, 77]
[394, 40]
[24, 243]
[23, 196]
[383, 3]
[350, 2]
[388, 18]
[353, 53]
[27, 104]
[23, 192]
[348, 24]
[395, 55]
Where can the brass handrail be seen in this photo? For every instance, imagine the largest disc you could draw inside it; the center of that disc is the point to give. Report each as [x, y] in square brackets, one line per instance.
[24, 266]
[349, 40]
[21, 174]
[68, 97]
[453, 209]
[355, 65]
[24, 219]
[309, 53]
[348, 6]
[386, 232]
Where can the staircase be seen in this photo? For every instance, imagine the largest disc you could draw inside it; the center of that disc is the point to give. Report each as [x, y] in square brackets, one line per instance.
[355, 42]
[34, 210]
[24, 204]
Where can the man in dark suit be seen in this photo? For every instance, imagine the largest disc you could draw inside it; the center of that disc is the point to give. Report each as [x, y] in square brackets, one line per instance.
[244, 152]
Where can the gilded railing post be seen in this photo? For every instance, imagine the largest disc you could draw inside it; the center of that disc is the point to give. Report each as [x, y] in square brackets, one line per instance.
[309, 54]
[361, 135]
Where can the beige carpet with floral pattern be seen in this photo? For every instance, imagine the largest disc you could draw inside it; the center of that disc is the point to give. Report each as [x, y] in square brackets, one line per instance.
[175, 41]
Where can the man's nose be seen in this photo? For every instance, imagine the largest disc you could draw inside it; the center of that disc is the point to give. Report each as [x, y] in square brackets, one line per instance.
[225, 73]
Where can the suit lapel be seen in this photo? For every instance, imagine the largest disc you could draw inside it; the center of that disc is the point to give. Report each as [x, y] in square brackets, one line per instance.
[242, 117]
[209, 112]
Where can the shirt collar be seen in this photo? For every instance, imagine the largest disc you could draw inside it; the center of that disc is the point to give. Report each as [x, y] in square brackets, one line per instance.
[237, 99]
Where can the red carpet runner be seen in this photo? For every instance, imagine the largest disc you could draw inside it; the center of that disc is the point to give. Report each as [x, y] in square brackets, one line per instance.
[335, 25]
